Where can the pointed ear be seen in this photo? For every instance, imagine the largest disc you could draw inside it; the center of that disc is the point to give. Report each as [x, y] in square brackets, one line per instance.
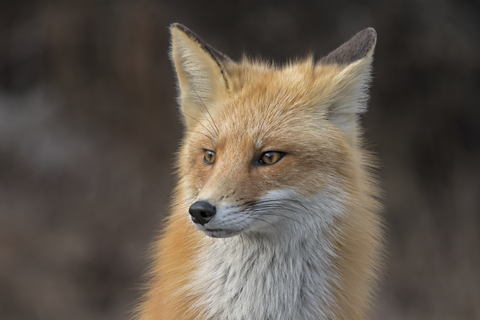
[349, 88]
[200, 71]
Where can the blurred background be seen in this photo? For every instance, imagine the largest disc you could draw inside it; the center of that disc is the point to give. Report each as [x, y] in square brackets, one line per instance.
[89, 127]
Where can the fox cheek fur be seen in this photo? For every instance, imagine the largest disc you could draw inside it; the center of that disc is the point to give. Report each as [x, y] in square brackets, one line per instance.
[272, 161]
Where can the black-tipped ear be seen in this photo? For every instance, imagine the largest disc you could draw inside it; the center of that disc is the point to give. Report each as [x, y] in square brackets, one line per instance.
[349, 88]
[357, 48]
[216, 55]
[201, 73]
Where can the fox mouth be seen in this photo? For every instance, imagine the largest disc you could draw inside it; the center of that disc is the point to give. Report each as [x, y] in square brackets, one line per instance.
[221, 233]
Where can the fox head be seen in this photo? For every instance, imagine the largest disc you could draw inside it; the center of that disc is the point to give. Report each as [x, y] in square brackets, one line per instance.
[269, 147]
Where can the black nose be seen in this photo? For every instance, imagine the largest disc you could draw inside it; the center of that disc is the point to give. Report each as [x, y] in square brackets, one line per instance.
[202, 212]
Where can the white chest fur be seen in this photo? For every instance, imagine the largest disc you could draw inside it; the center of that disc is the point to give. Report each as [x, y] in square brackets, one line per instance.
[254, 277]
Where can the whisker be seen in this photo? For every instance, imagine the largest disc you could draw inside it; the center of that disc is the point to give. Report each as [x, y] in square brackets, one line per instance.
[283, 201]
[265, 207]
[205, 107]
[283, 216]
[203, 134]
[200, 124]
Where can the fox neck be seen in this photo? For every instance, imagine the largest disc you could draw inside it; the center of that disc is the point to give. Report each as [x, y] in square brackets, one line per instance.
[284, 275]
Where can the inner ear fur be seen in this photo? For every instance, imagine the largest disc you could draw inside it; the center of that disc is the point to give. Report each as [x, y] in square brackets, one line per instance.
[200, 72]
[348, 92]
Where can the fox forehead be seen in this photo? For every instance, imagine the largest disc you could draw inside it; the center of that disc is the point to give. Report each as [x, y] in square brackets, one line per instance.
[292, 87]
[266, 107]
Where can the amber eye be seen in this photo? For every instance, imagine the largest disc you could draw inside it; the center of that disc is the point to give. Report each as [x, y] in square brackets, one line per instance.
[209, 157]
[271, 157]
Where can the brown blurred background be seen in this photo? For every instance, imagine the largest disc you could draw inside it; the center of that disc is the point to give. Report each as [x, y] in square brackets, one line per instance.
[89, 127]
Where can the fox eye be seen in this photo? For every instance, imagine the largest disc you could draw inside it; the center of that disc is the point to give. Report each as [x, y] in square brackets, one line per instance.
[271, 157]
[209, 157]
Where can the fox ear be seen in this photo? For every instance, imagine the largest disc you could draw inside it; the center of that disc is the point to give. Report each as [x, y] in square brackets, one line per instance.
[200, 71]
[349, 88]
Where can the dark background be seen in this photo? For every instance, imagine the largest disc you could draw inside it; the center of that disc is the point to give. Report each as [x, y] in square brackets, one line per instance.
[89, 127]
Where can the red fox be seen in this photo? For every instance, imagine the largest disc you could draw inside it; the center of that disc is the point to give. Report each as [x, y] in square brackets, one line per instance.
[276, 212]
